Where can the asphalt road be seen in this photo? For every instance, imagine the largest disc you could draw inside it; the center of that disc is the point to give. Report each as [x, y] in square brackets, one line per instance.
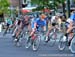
[8, 49]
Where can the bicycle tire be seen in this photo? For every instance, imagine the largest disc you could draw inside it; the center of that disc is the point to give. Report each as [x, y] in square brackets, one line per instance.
[72, 46]
[53, 38]
[17, 43]
[36, 43]
[5, 32]
[28, 43]
[61, 43]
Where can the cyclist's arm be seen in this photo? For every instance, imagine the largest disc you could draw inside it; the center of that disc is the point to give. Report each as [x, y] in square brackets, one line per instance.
[70, 26]
[35, 25]
[44, 28]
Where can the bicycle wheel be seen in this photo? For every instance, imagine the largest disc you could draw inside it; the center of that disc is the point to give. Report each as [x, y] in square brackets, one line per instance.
[17, 43]
[36, 43]
[28, 43]
[5, 32]
[61, 43]
[26, 35]
[19, 40]
[53, 38]
[72, 46]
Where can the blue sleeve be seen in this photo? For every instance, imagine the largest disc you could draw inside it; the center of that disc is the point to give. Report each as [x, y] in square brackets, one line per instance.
[44, 23]
[35, 21]
[72, 17]
[46, 18]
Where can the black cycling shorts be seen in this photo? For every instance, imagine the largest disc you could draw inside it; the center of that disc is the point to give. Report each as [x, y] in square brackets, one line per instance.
[53, 24]
[8, 24]
[24, 25]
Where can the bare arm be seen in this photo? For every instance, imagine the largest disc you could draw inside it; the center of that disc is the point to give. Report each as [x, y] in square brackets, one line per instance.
[44, 28]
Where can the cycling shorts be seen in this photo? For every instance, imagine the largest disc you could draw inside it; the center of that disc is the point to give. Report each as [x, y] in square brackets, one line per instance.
[8, 25]
[53, 24]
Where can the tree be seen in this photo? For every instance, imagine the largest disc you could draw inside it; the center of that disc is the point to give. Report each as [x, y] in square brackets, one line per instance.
[48, 3]
[4, 6]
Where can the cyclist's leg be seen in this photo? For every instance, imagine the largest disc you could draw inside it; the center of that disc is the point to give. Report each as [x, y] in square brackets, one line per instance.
[6, 28]
[29, 27]
[15, 30]
[10, 26]
[67, 33]
[31, 34]
[18, 32]
[70, 37]
[47, 34]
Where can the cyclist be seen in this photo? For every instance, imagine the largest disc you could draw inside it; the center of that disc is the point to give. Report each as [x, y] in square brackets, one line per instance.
[16, 26]
[37, 24]
[23, 23]
[70, 24]
[8, 24]
[54, 22]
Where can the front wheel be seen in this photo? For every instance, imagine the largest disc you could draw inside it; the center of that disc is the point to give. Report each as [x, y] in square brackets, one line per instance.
[53, 39]
[36, 43]
[72, 46]
[28, 43]
[61, 43]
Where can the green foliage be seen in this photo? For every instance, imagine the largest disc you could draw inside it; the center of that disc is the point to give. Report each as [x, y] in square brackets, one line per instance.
[38, 8]
[46, 3]
[4, 6]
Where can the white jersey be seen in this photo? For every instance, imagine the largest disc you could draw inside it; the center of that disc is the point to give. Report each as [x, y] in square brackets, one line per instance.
[70, 20]
[53, 19]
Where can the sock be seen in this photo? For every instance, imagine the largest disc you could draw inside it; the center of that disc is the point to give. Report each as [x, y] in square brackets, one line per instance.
[17, 38]
[69, 43]
[66, 34]
[29, 37]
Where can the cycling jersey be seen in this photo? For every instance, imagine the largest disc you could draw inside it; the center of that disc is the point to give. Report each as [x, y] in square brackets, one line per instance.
[53, 21]
[39, 22]
[8, 21]
[33, 21]
[25, 23]
[71, 19]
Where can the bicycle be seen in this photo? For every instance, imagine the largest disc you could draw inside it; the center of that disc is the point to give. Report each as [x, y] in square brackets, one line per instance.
[23, 34]
[34, 41]
[63, 43]
[8, 29]
[52, 37]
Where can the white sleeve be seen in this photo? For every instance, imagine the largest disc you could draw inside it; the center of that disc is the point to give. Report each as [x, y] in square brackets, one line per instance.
[52, 19]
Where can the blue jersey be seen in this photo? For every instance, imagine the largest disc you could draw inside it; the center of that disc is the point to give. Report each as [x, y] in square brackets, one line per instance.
[39, 22]
[72, 17]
